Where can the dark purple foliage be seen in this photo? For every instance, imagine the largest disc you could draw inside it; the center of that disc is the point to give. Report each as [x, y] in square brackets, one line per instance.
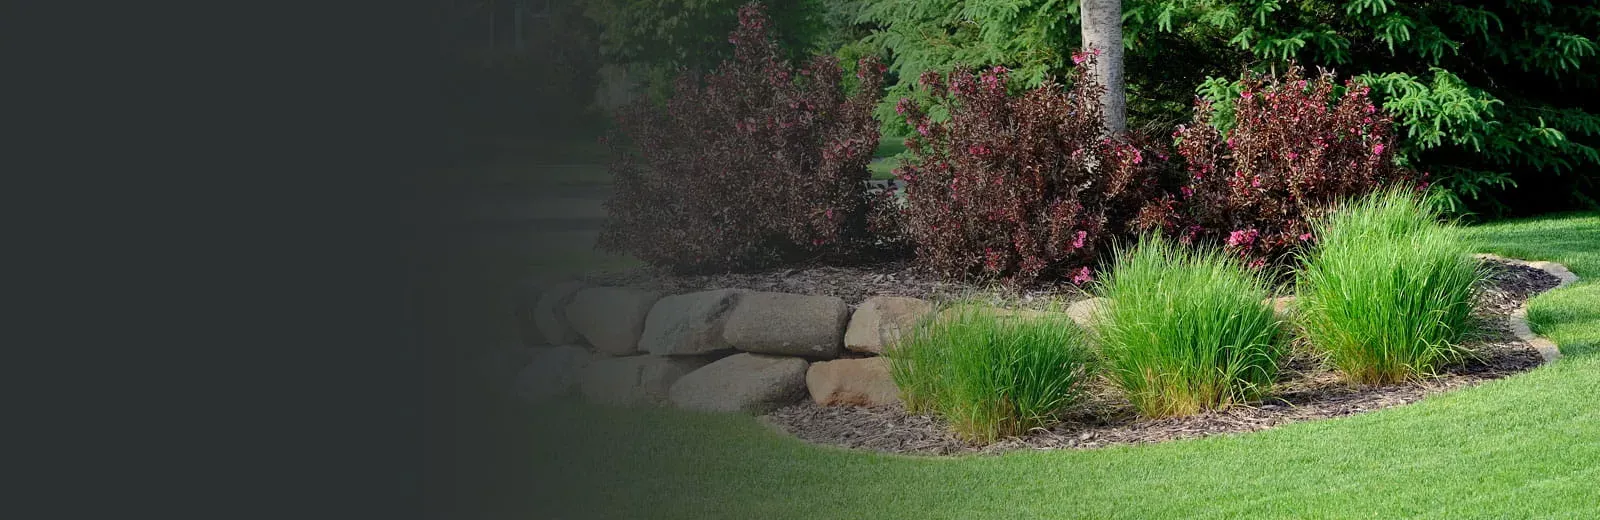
[757, 163]
[1294, 150]
[1021, 187]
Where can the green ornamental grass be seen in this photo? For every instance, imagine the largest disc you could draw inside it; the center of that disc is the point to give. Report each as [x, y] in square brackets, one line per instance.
[991, 376]
[1387, 292]
[1185, 329]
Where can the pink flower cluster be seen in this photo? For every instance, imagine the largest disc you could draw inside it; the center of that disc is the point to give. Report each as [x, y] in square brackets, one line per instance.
[1084, 276]
[1243, 238]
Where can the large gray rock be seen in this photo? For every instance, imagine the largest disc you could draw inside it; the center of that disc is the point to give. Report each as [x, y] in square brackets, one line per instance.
[552, 373]
[550, 313]
[635, 380]
[752, 383]
[852, 382]
[689, 324]
[788, 325]
[881, 320]
[611, 318]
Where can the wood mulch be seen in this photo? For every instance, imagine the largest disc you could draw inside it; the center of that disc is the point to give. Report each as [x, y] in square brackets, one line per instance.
[853, 284]
[1306, 390]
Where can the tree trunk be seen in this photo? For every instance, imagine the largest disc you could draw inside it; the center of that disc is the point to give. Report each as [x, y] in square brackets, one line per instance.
[1102, 32]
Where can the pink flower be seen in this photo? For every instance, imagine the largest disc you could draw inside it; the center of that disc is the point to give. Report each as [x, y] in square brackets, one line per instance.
[1077, 243]
[1377, 149]
[1255, 182]
[922, 129]
[1257, 263]
[1305, 236]
[1242, 237]
[1292, 156]
[1187, 191]
[1082, 276]
[1371, 109]
[829, 214]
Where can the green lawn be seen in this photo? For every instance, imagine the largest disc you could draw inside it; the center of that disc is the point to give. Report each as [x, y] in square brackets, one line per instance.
[1522, 447]
[1570, 316]
[888, 149]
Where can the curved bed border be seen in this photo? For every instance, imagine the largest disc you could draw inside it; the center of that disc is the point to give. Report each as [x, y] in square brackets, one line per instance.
[1519, 317]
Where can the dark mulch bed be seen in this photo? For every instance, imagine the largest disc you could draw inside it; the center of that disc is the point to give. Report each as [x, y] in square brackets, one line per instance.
[853, 284]
[1307, 390]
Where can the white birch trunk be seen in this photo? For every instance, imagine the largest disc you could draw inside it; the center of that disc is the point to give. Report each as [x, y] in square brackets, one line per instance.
[1102, 30]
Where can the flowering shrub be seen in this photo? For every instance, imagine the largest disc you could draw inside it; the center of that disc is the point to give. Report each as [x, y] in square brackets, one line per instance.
[1024, 186]
[758, 163]
[1289, 154]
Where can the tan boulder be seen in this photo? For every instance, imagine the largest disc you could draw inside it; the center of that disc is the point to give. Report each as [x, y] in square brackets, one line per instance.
[634, 380]
[611, 319]
[750, 383]
[881, 321]
[550, 313]
[852, 382]
[1085, 312]
[999, 312]
[689, 324]
[1282, 307]
[785, 324]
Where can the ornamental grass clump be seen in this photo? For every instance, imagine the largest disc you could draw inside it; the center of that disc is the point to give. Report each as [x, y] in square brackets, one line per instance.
[1387, 292]
[991, 376]
[1185, 329]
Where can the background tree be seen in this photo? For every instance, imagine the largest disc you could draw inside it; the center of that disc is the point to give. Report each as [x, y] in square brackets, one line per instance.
[1493, 98]
[1102, 37]
[1488, 95]
[1035, 40]
[655, 39]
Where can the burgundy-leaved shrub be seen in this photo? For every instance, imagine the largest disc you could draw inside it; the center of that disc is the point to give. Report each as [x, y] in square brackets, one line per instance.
[1295, 148]
[1022, 187]
[756, 163]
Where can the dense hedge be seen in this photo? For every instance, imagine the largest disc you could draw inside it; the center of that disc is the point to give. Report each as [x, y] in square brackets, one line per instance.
[1296, 147]
[1021, 186]
[1494, 98]
[757, 163]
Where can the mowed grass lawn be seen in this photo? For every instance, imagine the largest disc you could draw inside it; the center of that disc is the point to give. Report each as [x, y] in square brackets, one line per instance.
[885, 158]
[1522, 447]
